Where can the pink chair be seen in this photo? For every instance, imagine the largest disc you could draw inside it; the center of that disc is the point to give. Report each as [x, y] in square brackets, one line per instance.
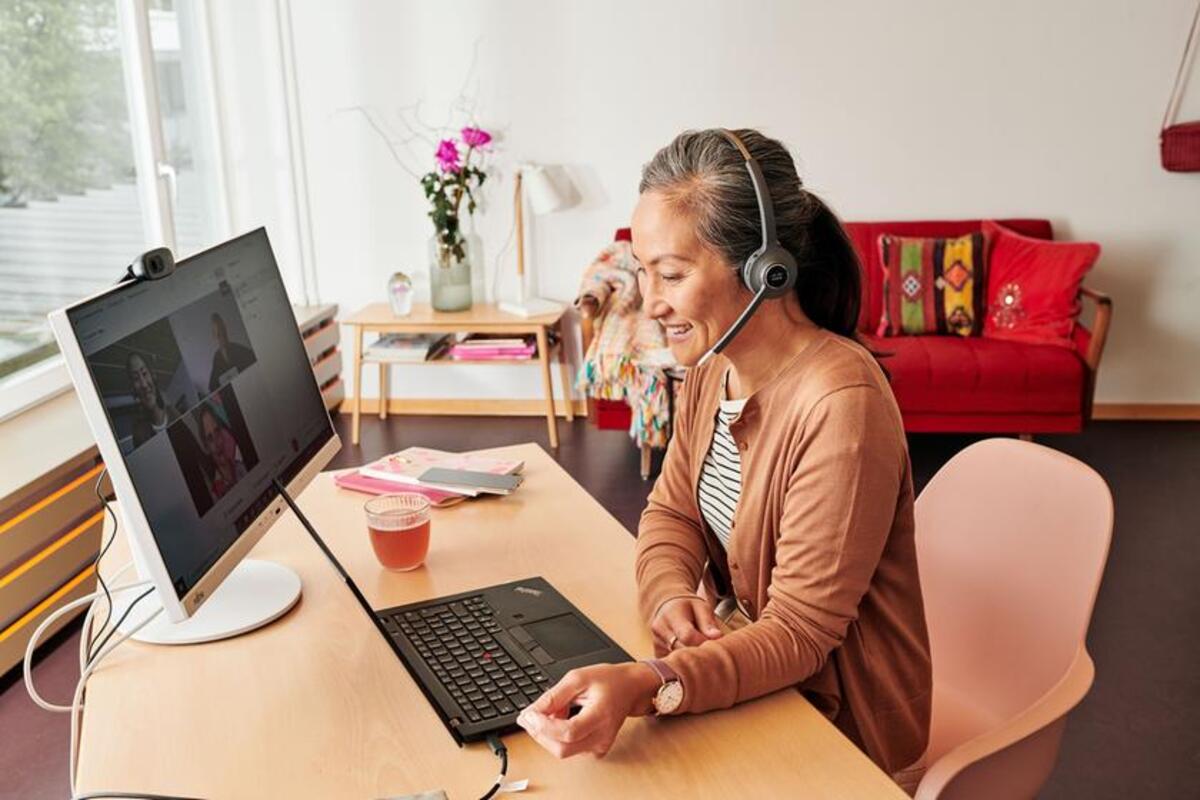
[1011, 542]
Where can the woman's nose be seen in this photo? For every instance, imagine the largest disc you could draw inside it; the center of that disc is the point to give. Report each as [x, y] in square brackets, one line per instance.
[652, 303]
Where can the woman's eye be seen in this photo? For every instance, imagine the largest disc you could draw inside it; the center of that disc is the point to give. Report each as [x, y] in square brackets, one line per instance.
[672, 278]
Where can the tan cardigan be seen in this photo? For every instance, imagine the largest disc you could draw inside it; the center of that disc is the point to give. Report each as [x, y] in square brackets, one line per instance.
[821, 555]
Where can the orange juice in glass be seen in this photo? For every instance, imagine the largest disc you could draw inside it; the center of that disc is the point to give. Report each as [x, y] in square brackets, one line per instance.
[399, 529]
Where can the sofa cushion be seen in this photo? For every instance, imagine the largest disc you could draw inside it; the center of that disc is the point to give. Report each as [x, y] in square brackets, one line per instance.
[932, 286]
[956, 375]
[1033, 286]
[865, 237]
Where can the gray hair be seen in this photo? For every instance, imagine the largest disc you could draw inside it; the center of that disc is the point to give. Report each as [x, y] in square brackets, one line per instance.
[703, 175]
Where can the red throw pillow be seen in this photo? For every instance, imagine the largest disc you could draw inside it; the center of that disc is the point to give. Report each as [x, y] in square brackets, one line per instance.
[1033, 286]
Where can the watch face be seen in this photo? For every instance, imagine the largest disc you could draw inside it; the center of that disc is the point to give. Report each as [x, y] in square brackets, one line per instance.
[669, 697]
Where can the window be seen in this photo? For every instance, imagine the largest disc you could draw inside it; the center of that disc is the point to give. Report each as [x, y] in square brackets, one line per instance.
[96, 165]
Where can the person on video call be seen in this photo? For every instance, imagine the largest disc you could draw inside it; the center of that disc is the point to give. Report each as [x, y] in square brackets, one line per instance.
[230, 356]
[776, 548]
[222, 449]
[152, 414]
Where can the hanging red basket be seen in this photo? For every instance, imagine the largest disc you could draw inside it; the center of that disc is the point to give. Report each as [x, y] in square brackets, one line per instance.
[1181, 147]
[1180, 143]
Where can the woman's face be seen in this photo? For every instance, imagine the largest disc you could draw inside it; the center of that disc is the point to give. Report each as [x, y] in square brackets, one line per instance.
[686, 286]
[218, 442]
[144, 388]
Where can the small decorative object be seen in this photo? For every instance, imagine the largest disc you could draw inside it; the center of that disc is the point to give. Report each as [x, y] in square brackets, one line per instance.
[1180, 141]
[451, 253]
[400, 292]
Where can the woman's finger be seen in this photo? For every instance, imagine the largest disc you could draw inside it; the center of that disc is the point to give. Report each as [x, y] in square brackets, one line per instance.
[685, 634]
[556, 701]
[706, 621]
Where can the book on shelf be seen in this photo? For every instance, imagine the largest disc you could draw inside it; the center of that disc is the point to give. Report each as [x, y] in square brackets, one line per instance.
[485, 342]
[404, 469]
[519, 353]
[407, 346]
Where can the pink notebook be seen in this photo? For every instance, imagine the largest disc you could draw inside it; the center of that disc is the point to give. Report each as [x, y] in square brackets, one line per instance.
[357, 482]
[405, 468]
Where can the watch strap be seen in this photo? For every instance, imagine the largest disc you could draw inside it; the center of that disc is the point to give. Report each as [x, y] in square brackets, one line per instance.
[662, 669]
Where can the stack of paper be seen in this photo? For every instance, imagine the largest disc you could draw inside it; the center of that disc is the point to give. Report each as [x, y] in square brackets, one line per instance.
[489, 349]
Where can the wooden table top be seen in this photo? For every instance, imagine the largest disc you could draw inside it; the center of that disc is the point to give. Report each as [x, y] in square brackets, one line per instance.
[317, 705]
[423, 319]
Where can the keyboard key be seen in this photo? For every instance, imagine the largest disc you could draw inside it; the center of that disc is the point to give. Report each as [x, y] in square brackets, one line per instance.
[505, 707]
[473, 715]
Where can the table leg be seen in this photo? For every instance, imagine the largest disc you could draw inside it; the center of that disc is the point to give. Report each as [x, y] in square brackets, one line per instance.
[566, 379]
[544, 357]
[357, 405]
[384, 375]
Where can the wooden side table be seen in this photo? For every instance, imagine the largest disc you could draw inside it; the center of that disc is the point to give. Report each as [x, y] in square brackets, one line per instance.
[480, 318]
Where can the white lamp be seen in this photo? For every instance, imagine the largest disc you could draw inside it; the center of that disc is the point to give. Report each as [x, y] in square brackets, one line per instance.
[544, 198]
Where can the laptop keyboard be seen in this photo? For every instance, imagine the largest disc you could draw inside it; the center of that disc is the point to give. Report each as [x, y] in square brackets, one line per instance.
[476, 661]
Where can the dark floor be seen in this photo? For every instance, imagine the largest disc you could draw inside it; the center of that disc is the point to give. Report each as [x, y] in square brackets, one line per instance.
[1137, 735]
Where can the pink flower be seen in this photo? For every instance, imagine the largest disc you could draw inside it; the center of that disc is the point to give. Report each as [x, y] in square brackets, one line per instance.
[447, 156]
[475, 137]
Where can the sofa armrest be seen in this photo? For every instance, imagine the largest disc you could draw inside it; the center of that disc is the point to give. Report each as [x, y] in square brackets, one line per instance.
[1099, 333]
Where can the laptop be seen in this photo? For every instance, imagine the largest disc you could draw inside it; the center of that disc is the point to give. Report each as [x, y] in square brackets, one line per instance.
[482, 656]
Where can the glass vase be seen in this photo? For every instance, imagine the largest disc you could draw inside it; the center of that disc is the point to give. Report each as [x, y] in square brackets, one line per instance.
[450, 276]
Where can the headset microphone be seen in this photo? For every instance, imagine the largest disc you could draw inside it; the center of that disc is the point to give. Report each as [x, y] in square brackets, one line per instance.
[770, 271]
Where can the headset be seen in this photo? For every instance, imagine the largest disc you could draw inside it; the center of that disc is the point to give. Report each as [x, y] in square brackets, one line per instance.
[770, 271]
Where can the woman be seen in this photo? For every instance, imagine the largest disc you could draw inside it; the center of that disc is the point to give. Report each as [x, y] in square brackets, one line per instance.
[222, 448]
[152, 414]
[785, 501]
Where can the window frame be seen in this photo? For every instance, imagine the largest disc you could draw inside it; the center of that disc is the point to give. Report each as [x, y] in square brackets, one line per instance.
[48, 378]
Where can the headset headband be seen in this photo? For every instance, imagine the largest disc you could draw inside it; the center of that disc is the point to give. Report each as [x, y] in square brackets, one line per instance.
[766, 210]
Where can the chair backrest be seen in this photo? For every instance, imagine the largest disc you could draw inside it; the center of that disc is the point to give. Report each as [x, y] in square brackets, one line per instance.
[1011, 540]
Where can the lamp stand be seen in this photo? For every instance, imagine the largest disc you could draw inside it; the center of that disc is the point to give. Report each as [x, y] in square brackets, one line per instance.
[524, 306]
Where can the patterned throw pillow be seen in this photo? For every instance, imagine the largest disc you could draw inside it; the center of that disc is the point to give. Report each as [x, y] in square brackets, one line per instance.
[932, 286]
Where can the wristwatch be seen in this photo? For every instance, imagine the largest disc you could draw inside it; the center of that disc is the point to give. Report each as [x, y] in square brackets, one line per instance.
[669, 696]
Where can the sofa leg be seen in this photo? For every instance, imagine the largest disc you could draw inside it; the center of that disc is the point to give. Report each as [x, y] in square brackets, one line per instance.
[645, 462]
[1025, 437]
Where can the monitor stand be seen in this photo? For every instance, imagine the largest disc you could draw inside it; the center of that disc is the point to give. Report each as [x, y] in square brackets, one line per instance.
[254, 594]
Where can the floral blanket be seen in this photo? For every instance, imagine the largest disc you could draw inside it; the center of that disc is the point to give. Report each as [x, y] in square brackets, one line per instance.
[628, 356]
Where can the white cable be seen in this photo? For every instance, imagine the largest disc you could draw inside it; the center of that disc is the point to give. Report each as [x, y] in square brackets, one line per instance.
[37, 636]
[77, 700]
[85, 638]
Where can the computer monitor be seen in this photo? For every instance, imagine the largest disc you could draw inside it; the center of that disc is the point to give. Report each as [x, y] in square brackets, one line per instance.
[200, 394]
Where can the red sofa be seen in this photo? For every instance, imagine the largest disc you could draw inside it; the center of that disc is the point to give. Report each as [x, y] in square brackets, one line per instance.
[978, 384]
[967, 384]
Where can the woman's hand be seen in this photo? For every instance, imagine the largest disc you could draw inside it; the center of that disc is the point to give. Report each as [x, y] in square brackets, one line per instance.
[683, 622]
[605, 694]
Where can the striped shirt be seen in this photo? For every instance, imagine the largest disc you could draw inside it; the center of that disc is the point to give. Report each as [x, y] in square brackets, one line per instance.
[721, 476]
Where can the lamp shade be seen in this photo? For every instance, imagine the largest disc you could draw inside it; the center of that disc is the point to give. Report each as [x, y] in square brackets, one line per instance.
[544, 195]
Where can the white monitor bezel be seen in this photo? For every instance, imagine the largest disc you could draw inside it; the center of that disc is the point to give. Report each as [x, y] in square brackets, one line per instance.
[142, 545]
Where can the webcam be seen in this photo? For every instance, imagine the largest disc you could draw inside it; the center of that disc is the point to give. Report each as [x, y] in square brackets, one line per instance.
[153, 264]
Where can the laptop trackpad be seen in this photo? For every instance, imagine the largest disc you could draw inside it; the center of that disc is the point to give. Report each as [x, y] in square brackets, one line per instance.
[564, 637]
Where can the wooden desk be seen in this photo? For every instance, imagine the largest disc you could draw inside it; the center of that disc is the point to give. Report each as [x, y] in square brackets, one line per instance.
[317, 705]
[480, 318]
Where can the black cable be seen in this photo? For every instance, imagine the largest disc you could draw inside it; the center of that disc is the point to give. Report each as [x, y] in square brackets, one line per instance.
[96, 564]
[130, 796]
[499, 749]
[117, 627]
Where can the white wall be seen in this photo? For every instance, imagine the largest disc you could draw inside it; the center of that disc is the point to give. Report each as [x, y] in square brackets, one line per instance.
[922, 109]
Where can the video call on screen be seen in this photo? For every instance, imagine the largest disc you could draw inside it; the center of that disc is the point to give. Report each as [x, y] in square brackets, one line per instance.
[209, 394]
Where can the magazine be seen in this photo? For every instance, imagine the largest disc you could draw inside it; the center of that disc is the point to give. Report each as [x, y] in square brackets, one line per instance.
[406, 467]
